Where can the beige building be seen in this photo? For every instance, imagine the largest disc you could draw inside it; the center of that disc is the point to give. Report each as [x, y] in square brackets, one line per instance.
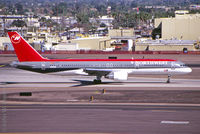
[122, 39]
[161, 47]
[66, 46]
[32, 37]
[92, 43]
[100, 43]
[165, 45]
[5, 43]
[183, 26]
[121, 32]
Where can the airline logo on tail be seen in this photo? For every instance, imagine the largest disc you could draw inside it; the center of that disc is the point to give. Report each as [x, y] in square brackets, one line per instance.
[15, 38]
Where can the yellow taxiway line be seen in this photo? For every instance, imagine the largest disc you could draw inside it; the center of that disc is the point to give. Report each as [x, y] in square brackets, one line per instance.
[2, 65]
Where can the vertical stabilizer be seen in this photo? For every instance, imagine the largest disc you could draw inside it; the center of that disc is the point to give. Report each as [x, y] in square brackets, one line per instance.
[23, 50]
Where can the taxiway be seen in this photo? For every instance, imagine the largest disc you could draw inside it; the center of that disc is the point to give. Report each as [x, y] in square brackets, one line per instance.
[143, 104]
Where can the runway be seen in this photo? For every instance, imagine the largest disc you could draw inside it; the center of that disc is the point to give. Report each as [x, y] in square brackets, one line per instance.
[61, 104]
[126, 119]
[11, 77]
[78, 89]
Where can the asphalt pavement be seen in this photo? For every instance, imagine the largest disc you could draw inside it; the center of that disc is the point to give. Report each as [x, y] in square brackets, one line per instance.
[60, 104]
[73, 118]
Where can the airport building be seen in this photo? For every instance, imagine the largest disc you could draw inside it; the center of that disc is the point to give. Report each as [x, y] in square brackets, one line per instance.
[166, 45]
[5, 44]
[183, 26]
[122, 39]
[118, 39]
[92, 43]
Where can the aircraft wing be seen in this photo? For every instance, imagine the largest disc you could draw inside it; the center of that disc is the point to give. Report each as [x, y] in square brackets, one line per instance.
[108, 73]
[96, 71]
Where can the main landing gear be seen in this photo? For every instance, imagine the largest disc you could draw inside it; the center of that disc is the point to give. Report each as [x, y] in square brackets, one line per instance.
[97, 80]
[168, 79]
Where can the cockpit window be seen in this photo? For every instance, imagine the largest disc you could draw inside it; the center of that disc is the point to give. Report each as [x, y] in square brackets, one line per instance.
[182, 65]
[178, 64]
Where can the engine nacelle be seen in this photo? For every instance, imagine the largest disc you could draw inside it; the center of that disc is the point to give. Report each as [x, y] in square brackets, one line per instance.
[117, 75]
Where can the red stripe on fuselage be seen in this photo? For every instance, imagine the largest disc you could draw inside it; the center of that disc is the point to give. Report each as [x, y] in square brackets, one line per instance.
[98, 60]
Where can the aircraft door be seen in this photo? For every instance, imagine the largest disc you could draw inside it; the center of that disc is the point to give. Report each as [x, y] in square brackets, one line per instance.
[43, 66]
[137, 64]
[172, 65]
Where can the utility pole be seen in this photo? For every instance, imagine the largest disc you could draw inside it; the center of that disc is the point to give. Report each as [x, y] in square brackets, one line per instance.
[4, 21]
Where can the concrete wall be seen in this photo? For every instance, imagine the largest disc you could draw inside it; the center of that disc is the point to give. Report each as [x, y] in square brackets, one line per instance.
[161, 47]
[157, 21]
[66, 46]
[96, 43]
[4, 40]
[185, 27]
[121, 32]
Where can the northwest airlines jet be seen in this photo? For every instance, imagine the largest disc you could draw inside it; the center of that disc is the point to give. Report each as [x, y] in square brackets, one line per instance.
[117, 69]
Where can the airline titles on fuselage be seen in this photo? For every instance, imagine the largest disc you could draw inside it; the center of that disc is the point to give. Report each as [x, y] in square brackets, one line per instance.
[151, 62]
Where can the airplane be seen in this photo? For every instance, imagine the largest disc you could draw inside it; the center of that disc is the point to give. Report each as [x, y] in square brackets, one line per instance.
[117, 69]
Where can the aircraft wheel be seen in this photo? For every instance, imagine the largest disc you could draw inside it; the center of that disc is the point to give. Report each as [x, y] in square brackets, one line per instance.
[97, 81]
[168, 79]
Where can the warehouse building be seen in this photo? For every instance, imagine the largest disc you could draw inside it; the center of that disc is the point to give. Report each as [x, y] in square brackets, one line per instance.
[183, 26]
[166, 45]
[92, 43]
[5, 44]
[122, 39]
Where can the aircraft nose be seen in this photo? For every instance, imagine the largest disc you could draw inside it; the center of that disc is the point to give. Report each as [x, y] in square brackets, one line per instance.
[188, 70]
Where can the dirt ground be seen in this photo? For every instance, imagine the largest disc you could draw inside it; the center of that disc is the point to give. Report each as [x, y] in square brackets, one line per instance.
[118, 95]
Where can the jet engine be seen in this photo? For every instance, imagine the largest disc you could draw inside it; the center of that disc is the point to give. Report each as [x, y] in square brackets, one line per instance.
[117, 75]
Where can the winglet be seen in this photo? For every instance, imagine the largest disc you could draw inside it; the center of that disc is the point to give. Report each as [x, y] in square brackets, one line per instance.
[23, 50]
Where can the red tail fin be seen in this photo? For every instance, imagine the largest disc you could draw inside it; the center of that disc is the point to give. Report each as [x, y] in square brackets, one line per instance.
[23, 50]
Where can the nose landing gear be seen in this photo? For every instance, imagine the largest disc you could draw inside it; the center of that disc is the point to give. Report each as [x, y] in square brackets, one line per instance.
[168, 79]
